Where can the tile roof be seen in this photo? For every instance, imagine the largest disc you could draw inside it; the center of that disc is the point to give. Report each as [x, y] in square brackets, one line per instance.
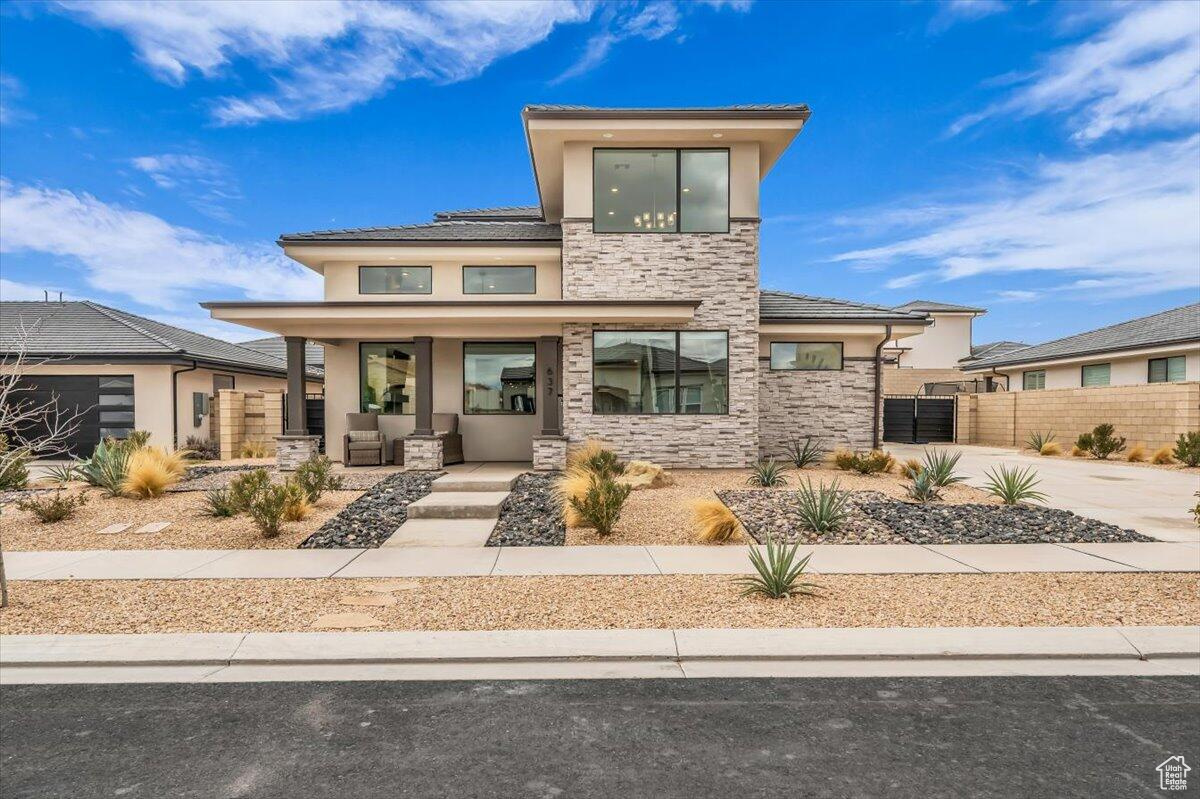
[519, 213]
[993, 349]
[929, 306]
[81, 328]
[1177, 325]
[450, 230]
[276, 347]
[782, 306]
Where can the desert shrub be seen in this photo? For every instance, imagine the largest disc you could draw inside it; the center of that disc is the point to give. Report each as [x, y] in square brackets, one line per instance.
[136, 439]
[1078, 451]
[1013, 485]
[910, 468]
[107, 467]
[1037, 440]
[767, 474]
[923, 488]
[316, 477]
[1104, 442]
[254, 449]
[715, 522]
[1083, 442]
[268, 506]
[644, 474]
[940, 465]
[1187, 448]
[823, 509]
[61, 473]
[1162, 456]
[1050, 448]
[202, 449]
[219, 503]
[151, 470]
[15, 473]
[245, 487]
[571, 484]
[600, 506]
[53, 508]
[298, 506]
[1136, 454]
[871, 462]
[808, 452]
[594, 456]
[777, 574]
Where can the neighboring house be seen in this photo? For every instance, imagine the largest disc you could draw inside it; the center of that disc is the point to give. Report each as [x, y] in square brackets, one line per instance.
[932, 361]
[276, 347]
[128, 372]
[625, 306]
[1161, 348]
[992, 349]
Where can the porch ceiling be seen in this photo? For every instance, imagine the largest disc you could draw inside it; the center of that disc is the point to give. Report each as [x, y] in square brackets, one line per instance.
[330, 321]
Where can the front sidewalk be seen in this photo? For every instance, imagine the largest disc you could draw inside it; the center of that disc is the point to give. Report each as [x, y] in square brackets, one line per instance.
[205, 564]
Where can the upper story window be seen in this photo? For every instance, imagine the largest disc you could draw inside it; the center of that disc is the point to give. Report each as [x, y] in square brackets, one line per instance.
[660, 191]
[1168, 370]
[395, 280]
[499, 280]
[816, 356]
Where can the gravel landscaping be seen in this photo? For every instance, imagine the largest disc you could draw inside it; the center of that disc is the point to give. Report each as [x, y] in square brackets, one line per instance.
[777, 513]
[373, 517]
[203, 478]
[513, 603]
[530, 515]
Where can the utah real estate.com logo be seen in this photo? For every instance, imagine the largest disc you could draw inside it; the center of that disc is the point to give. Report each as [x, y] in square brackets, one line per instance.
[1172, 774]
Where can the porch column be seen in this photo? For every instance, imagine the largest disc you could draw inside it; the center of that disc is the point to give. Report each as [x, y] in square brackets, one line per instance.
[297, 424]
[423, 346]
[547, 370]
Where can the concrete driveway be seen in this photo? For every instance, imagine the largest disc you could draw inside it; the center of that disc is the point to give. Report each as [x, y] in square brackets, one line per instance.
[1154, 502]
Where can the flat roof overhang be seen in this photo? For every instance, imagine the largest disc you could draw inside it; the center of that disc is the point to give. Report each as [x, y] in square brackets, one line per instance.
[864, 327]
[315, 254]
[332, 321]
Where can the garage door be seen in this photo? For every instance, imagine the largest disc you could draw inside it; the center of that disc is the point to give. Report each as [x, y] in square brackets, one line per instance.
[105, 402]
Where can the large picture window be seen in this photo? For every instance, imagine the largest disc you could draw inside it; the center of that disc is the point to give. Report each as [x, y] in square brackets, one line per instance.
[395, 280]
[660, 372]
[660, 191]
[820, 356]
[387, 378]
[498, 377]
[1168, 370]
[499, 280]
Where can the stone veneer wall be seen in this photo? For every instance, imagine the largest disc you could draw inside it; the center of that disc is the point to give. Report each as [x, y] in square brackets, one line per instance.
[718, 268]
[836, 406]
[423, 453]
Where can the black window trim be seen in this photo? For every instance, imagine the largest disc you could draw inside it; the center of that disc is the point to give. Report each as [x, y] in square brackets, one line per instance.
[1042, 372]
[466, 293]
[361, 267]
[1166, 374]
[385, 342]
[678, 394]
[678, 192]
[466, 343]
[1086, 365]
[841, 356]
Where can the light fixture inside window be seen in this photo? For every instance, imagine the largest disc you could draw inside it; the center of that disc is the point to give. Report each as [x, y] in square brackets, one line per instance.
[685, 191]
[610, 213]
[614, 189]
[606, 135]
[718, 135]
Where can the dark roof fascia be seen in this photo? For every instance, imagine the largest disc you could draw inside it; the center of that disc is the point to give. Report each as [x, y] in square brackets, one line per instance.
[803, 112]
[1067, 356]
[163, 359]
[440, 303]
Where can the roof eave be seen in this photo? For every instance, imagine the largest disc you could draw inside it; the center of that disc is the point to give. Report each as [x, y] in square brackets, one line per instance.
[802, 113]
[1050, 359]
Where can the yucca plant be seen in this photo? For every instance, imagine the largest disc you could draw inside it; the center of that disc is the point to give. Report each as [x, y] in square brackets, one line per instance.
[1013, 485]
[715, 522]
[923, 489]
[1038, 440]
[778, 573]
[805, 453]
[940, 465]
[767, 474]
[61, 473]
[823, 509]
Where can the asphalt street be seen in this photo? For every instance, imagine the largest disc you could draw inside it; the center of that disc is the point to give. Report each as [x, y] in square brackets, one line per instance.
[901, 737]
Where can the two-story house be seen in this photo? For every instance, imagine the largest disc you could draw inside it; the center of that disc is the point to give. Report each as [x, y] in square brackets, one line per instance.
[625, 306]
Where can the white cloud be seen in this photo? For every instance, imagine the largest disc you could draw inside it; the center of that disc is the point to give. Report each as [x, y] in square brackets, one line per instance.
[1140, 72]
[325, 55]
[1120, 223]
[206, 184]
[141, 256]
[951, 12]
[11, 90]
[12, 290]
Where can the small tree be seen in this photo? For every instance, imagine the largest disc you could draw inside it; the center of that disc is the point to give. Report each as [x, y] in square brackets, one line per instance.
[30, 426]
[1104, 442]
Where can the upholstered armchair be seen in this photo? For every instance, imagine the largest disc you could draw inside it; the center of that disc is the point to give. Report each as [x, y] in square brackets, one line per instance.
[445, 427]
[363, 444]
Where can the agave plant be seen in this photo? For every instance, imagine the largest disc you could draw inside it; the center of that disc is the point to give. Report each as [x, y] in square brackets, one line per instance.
[108, 466]
[940, 465]
[805, 453]
[1013, 485]
[1037, 440]
[923, 489]
[778, 573]
[62, 473]
[823, 509]
[768, 474]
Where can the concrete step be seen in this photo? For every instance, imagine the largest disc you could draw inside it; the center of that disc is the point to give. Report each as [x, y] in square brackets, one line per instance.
[473, 483]
[458, 505]
[442, 533]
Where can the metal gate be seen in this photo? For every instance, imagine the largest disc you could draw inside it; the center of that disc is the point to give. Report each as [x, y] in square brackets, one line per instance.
[910, 419]
[314, 416]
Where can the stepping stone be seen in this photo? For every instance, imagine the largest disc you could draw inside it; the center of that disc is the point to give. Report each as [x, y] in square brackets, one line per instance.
[369, 601]
[113, 529]
[346, 621]
[388, 586]
[153, 527]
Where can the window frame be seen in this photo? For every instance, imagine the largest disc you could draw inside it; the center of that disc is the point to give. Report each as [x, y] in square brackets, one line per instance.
[1086, 366]
[361, 267]
[361, 373]
[1167, 371]
[841, 356]
[533, 344]
[466, 293]
[678, 393]
[678, 194]
[1025, 379]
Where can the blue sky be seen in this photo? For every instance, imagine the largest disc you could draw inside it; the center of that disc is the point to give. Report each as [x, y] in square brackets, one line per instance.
[1040, 160]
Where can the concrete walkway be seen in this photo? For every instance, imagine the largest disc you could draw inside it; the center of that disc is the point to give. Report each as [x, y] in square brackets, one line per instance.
[540, 654]
[151, 564]
[462, 508]
[1155, 502]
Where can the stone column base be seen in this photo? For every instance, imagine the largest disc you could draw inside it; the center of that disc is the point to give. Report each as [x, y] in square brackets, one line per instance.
[291, 451]
[549, 453]
[423, 453]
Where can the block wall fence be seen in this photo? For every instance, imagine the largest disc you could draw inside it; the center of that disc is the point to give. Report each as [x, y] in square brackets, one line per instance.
[240, 417]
